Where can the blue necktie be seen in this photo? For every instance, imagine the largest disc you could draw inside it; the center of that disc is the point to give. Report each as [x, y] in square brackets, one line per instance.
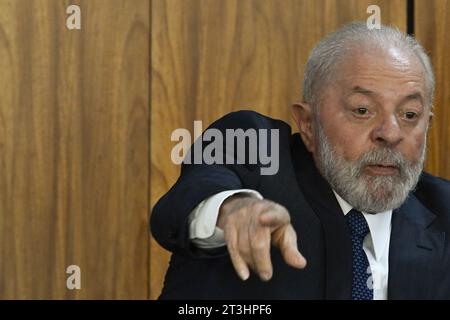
[362, 286]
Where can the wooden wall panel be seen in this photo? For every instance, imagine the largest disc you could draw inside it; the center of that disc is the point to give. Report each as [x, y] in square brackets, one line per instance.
[210, 57]
[431, 25]
[74, 149]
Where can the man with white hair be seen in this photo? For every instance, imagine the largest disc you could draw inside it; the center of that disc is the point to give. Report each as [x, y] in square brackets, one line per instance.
[349, 214]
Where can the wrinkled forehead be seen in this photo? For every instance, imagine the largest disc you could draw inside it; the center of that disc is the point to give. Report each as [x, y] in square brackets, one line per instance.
[386, 70]
[392, 57]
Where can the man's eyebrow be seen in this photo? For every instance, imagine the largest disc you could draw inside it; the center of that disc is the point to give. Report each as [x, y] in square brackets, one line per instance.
[414, 96]
[358, 89]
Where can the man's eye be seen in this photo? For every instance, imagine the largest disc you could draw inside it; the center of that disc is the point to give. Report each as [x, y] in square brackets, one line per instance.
[362, 111]
[410, 115]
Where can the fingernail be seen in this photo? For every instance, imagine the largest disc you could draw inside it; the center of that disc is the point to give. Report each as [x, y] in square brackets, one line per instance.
[302, 261]
[265, 276]
[244, 274]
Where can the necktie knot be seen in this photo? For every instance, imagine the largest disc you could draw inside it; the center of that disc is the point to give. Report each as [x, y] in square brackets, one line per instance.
[357, 223]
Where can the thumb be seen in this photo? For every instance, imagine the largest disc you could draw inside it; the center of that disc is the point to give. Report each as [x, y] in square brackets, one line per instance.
[287, 243]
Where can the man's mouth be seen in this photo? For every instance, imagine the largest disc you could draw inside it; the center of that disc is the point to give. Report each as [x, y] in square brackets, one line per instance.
[382, 169]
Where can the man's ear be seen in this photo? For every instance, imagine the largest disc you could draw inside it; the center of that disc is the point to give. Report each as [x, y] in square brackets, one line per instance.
[430, 120]
[302, 114]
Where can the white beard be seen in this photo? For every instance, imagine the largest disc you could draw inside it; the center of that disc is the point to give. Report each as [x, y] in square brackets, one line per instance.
[371, 194]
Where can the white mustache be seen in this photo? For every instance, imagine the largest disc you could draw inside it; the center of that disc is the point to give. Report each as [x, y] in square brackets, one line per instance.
[384, 157]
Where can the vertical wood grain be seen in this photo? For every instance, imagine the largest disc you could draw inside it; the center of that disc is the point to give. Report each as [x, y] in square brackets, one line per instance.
[212, 57]
[74, 149]
[431, 27]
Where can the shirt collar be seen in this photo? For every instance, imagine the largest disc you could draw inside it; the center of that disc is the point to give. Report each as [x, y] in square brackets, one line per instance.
[379, 226]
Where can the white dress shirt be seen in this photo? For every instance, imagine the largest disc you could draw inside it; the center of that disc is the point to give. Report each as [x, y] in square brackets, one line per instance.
[205, 234]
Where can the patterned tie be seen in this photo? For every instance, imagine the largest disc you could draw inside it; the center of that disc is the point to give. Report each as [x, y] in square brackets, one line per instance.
[362, 286]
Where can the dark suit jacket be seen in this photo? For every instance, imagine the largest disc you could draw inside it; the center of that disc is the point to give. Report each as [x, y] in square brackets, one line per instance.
[419, 256]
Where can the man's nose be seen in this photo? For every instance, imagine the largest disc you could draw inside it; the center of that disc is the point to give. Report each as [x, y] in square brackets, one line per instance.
[387, 132]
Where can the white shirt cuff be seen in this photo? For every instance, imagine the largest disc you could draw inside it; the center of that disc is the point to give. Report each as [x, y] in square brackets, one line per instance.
[203, 219]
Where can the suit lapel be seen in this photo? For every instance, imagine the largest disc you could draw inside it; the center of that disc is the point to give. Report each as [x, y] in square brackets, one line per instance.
[321, 198]
[415, 253]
